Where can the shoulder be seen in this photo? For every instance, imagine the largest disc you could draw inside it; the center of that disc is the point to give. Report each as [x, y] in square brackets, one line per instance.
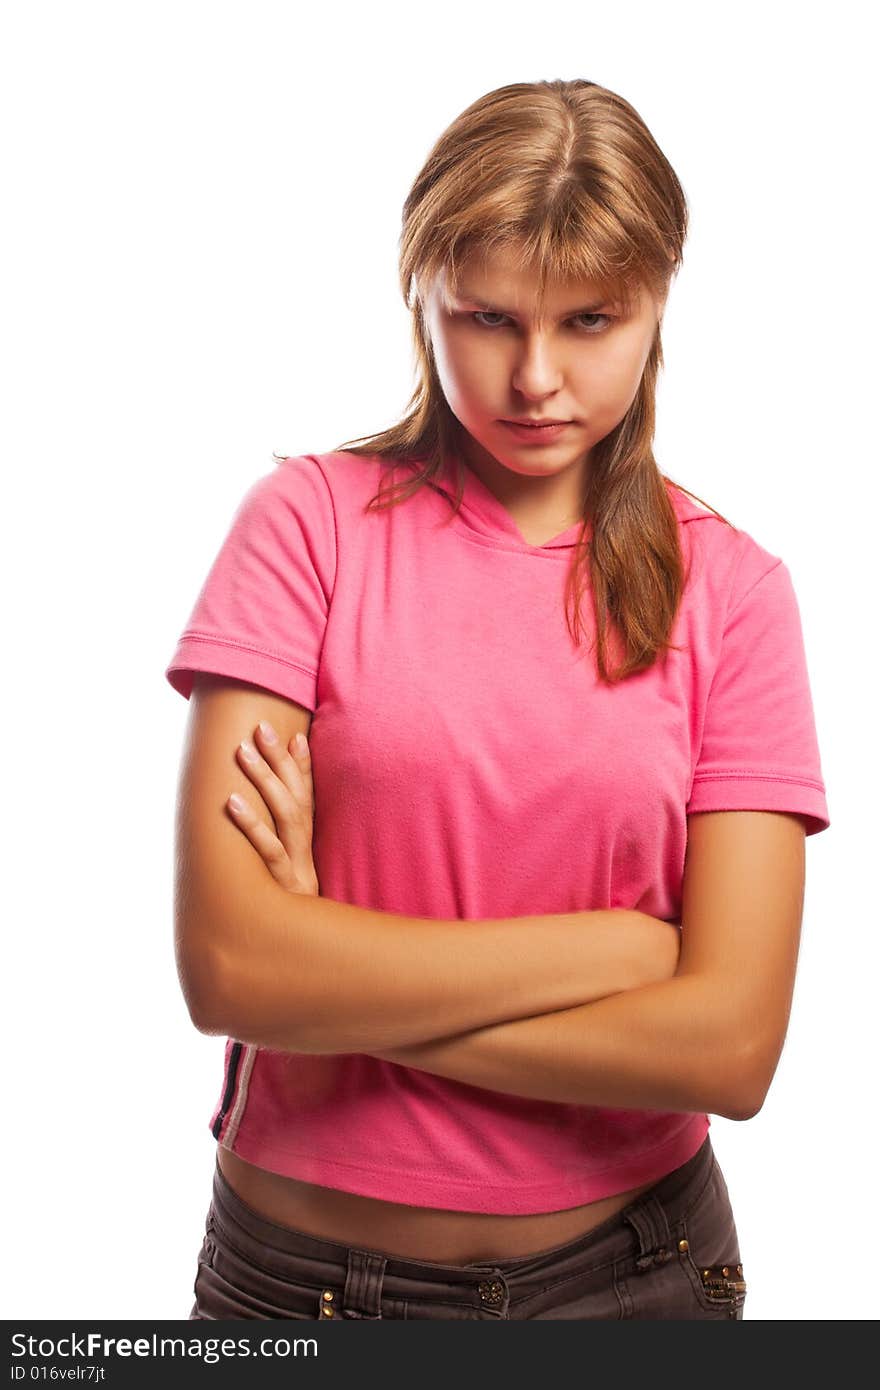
[725, 559]
[341, 475]
[316, 491]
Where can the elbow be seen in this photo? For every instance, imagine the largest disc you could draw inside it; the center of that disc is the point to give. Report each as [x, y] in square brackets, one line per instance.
[202, 983]
[748, 1084]
[745, 1109]
[207, 1011]
[235, 998]
[206, 1016]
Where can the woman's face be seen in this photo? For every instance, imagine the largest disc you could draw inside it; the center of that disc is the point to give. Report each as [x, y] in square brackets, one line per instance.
[581, 364]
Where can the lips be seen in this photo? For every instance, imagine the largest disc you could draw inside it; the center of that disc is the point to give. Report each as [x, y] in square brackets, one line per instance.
[536, 433]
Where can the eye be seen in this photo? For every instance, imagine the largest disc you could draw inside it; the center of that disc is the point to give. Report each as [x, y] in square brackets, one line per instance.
[480, 314]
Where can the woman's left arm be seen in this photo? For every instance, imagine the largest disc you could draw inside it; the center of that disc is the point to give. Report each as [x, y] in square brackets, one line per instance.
[708, 1039]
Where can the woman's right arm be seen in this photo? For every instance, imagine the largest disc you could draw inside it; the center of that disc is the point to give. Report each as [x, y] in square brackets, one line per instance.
[300, 973]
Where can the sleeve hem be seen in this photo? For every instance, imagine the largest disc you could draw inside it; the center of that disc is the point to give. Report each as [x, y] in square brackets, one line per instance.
[224, 657]
[762, 792]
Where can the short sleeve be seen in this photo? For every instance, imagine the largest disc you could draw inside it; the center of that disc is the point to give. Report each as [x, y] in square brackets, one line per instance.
[262, 611]
[759, 750]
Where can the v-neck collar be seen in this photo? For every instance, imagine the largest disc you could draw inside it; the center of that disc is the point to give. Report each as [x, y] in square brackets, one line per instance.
[482, 513]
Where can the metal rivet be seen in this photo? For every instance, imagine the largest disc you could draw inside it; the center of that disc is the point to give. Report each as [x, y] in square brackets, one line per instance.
[328, 1312]
[328, 1295]
[739, 1269]
[683, 1246]
[725, 1271]
[706, 1273]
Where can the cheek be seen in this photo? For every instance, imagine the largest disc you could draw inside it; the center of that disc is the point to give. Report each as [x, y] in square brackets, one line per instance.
[613, 379]
[465, 373]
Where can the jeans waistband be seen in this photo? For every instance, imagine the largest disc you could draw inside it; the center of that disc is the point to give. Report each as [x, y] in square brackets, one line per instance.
[640, 1228]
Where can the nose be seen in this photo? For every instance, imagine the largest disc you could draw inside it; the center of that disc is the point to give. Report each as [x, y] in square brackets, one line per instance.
[537, 372]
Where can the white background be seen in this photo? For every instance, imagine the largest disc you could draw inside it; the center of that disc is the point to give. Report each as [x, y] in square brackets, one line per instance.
[202, 205]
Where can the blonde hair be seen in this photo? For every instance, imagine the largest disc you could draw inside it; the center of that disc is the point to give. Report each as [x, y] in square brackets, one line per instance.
[567, 176]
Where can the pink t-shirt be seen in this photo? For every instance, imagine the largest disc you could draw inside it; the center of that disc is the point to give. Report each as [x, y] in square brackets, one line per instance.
[469, 764]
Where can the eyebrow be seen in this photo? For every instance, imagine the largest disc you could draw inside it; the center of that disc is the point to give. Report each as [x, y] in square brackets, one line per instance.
[499, 309]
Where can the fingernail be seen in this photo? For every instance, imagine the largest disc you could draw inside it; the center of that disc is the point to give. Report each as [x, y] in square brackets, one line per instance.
[302, 746]
[268, 732]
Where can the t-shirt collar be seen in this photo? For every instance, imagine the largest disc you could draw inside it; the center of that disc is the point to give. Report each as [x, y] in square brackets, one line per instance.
[484, 513]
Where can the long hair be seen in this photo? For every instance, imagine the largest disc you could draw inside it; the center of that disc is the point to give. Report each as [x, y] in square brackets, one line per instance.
[567, 176]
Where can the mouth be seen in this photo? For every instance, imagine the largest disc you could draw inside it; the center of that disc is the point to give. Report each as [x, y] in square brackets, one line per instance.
[537, 430]
[535, 421]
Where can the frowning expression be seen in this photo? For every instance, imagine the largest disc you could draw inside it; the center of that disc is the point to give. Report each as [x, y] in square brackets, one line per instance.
[579, 362]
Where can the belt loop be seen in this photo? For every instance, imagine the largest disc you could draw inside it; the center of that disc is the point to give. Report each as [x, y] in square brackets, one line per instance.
[648, 1218]
[362, 1297]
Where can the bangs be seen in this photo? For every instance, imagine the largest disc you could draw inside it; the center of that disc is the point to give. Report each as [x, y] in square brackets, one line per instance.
[608, 270]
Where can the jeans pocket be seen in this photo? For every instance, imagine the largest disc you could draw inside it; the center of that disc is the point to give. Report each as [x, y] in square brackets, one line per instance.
[204, 1260]
[249, 1276]
[707, 1246]
[209, 1244]
[221, 1297]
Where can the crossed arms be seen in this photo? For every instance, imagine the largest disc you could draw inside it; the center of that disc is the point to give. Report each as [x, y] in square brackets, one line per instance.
[595, 1008]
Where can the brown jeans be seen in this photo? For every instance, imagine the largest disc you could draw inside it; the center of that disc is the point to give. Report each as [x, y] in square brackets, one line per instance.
[672, 1253]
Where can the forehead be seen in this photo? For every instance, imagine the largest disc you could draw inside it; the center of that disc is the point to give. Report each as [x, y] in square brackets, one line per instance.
[503, 281]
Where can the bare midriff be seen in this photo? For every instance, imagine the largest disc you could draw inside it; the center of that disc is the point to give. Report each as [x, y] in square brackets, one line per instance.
[415, 1233]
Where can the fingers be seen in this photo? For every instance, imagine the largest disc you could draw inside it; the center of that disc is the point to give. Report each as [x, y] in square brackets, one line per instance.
[267, 845]
[276, 775]
[288, 769]
[282, 786]
[299, 747]
[283, 778]
[286, 763]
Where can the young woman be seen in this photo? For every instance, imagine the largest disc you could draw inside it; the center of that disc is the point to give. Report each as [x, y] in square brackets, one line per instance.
[525, 913]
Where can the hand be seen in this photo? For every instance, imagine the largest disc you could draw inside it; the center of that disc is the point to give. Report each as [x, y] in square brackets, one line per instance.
[283, 778]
